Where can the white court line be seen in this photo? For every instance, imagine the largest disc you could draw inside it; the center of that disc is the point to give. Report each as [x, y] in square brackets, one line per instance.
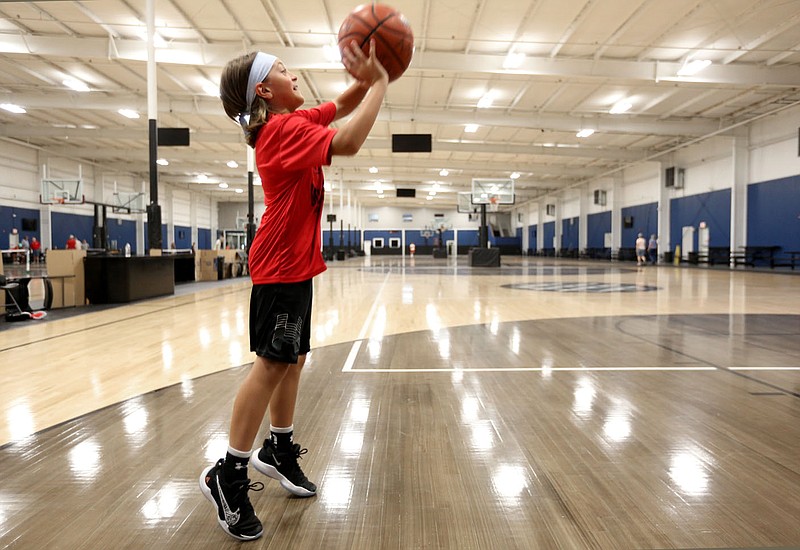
[763, 368]
[540, 369]
[351, 357]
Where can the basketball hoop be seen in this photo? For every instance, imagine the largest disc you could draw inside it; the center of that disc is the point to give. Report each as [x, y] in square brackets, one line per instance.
[60, 200]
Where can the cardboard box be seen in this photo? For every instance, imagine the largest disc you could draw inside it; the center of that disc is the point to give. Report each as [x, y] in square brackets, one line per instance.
[65, 269]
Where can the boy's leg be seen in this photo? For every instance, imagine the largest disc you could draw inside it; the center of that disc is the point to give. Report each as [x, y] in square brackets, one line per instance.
[282, 404]
[278, 457]
[252, 400]
[226, 483]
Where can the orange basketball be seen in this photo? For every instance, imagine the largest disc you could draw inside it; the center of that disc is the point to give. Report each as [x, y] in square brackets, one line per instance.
[394, 40]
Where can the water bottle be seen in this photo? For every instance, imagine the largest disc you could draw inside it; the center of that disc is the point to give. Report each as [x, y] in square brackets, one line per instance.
[127, 250]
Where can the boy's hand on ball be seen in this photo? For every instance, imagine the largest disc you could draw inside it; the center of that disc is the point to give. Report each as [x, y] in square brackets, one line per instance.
[366, 69]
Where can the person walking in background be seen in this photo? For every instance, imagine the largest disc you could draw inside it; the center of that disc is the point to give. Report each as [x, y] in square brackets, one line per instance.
[72, 243]
[291, 147]
[652, 249]
[641, 250]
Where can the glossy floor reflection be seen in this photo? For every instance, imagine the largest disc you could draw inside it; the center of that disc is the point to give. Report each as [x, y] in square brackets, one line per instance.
[441, 410]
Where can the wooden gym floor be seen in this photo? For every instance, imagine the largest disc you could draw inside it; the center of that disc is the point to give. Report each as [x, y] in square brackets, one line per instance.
[545, 404]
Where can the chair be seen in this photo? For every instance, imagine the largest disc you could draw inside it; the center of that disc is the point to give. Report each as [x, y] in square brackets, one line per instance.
[16, 313]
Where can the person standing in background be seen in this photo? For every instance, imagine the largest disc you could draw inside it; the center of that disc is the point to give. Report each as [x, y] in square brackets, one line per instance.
[641, 250]
[652, 249]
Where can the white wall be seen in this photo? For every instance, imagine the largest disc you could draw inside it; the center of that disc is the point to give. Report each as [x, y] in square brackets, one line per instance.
[774, 147]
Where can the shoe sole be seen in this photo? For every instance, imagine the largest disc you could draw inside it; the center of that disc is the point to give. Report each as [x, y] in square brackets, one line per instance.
[272, 472]
[207, 493]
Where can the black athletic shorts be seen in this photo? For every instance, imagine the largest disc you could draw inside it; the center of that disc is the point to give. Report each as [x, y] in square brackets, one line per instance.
[280, 320]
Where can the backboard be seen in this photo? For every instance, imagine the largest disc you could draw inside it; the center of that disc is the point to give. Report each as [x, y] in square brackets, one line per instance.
[486, 189]
[62, 191]
[464, 204]
[127, 203]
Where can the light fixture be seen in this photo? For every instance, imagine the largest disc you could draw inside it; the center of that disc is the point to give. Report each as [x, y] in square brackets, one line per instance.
[332, 53]
[158, 40]
[75, 84]
[233, 164]
[486, 101]
[513, 60]
[444, 172]
[239, 190]
[11, 108]
[620, 107]
[586, 132]
[202, 178]
[128, 113]
[429, 197]
[432, 193]
[223, 185]
[162, 162]
[373, 170]
[514, 175]
[381, 196]
[693, 67]
[210, 88]
[471, 128]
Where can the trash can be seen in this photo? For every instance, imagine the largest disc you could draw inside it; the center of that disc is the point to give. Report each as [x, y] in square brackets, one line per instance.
[667, 257]
[340, 255]
[692, 257]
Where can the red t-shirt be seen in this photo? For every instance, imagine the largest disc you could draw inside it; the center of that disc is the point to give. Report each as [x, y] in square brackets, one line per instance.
[290, 152]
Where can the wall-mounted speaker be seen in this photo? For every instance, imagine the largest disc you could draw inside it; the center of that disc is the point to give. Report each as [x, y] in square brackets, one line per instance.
[406, 193]
[627, 222]
[550, 209]
[673, 177]
[600, 197]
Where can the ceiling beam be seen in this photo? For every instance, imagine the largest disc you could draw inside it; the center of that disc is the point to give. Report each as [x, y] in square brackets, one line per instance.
[208, 106]
[299, 58]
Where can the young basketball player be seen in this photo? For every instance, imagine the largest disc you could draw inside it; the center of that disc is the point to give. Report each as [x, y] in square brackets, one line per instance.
[291, 146]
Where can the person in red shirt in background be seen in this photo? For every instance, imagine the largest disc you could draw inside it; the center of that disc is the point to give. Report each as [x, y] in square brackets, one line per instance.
[72, 243]
[36, 248]
[291, 146]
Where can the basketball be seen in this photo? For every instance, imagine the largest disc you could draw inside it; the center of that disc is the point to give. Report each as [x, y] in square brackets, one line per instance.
[394, 39]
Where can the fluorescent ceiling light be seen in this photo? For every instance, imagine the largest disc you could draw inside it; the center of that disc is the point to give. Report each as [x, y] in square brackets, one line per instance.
[223, 185]
[239, 190]
[75, 84]
[202, 177]
[486, 101]
[432, 193]
[162, 162]
[373, 170]
[621, 106]
[129, 113]
[514, 175]
[210, 88]
[332, 53]
[586, 132]
[429, 197]
[471, 128]
[11, 108]
[233, 164]
[444, 172]
[513, 60]
[693, 67]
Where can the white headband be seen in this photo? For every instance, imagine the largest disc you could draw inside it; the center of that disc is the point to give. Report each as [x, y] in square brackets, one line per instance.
[259, 70]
